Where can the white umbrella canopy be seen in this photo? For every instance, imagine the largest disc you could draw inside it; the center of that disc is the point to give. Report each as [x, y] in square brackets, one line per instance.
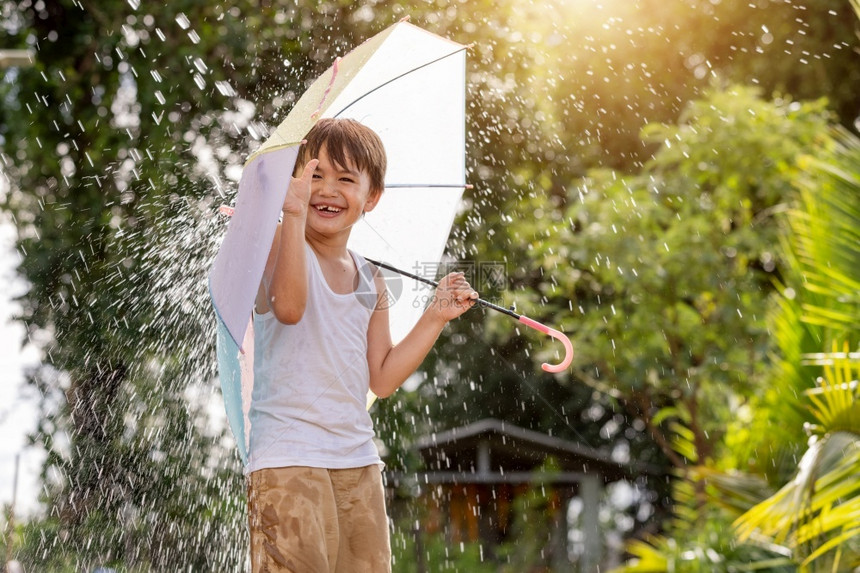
[420, 115]
[406, 84]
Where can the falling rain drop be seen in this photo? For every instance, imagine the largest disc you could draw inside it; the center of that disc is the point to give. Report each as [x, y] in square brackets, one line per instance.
[183, 21]
[225, 89]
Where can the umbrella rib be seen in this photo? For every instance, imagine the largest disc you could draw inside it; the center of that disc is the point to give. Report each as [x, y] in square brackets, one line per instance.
[394, 79]
[427, 185]
[480, 302]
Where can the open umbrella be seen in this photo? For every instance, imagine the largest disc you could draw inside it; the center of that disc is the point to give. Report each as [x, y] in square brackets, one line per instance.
[406, 84]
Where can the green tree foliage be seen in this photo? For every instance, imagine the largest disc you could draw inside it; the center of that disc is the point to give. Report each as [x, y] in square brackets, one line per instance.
[814, 514]
[117, 145]
[698, 539]
[664, 279]
[810, 523]
[673, 266]
[816, 309]
[641, 62]
[555, 98]
[653, 325]
[132, 126]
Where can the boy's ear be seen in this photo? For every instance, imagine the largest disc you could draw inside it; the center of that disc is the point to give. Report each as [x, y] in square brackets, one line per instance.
[372, 201]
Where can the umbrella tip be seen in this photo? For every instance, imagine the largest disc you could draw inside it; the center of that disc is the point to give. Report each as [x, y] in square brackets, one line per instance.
[405, 18]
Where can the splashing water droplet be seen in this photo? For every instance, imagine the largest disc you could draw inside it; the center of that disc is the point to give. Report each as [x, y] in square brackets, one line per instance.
[225, 89]
[183, 21]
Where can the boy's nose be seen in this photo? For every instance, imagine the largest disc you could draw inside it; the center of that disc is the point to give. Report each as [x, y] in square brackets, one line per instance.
[326, 187]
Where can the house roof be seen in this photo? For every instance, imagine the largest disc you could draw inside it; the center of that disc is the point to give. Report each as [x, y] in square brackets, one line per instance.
[493, 450]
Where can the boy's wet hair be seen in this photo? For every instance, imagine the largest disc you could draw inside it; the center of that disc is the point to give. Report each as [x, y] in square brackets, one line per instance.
[347, 142]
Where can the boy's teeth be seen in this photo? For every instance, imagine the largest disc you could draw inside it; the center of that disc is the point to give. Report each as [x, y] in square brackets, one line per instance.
[328, 208]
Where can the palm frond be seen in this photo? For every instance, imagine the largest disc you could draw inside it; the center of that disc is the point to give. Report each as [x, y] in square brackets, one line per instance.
[825, 239]
[834, 399]
[736, 492]
[817, 514]
[648, 557]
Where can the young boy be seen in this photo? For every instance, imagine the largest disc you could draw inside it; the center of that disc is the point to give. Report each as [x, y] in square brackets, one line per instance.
[316, 501]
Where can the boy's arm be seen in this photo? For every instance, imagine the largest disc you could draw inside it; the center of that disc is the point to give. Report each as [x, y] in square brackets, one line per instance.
[284, 288]
[390, 365]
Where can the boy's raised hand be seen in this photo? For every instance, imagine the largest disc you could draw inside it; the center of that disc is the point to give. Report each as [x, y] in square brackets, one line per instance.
[453, 297]
[299, 191]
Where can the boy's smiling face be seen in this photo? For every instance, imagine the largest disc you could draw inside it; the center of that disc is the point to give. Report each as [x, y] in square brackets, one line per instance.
[340, 194]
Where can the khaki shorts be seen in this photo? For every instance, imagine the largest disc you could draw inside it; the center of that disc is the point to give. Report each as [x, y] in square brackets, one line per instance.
[314, 520]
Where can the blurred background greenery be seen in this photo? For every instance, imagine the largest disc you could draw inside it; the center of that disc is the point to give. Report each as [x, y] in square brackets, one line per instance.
[675, 184]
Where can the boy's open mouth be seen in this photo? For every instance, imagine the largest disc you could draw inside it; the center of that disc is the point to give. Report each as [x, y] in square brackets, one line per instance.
[328, 209]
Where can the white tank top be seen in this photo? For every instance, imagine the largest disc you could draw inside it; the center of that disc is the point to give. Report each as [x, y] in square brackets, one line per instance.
[308, 406]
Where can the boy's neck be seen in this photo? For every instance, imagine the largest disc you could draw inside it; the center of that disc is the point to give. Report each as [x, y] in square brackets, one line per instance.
[330, 248]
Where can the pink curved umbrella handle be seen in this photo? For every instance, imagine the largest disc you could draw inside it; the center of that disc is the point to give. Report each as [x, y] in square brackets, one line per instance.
[568, 347]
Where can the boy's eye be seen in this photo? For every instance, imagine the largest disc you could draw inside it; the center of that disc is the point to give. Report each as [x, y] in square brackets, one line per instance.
[317, 176]
[347, 179]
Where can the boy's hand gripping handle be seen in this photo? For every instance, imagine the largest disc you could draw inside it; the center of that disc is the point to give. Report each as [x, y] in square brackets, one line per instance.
[568, 347]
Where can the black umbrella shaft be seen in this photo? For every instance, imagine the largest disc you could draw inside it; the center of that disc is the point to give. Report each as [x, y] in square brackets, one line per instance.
[432, 283]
